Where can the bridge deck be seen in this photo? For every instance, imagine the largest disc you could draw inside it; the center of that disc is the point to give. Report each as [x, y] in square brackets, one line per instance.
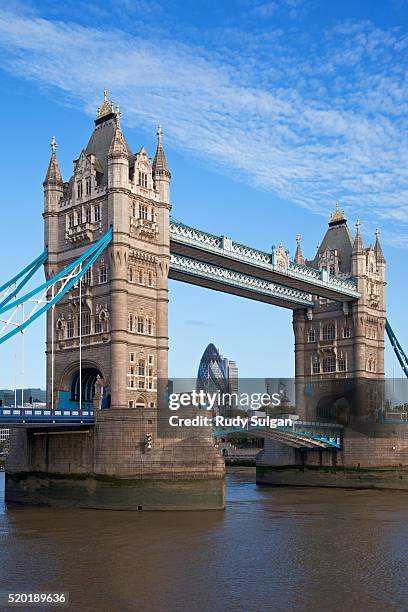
[301, 437]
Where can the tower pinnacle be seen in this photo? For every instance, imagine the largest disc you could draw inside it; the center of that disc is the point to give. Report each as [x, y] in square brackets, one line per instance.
[299, 255]
[358, 246]
[53, 176]
[160, 167]
[118, 145]
[159, 134]
[377, 248]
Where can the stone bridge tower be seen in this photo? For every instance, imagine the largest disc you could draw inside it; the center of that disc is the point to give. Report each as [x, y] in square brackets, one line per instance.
[118, 316]
[339, 347]
[123, 330]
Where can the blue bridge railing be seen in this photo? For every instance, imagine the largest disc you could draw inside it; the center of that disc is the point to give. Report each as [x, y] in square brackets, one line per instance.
[25, 416]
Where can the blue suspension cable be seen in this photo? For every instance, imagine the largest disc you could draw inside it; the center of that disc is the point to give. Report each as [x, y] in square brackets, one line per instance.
[95, 251]
[36, 263]
[398, 350]
[102, 242]
[33, 269]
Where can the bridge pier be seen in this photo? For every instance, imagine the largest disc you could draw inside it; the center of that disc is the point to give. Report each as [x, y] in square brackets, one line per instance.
[108, 468]
[367, 460]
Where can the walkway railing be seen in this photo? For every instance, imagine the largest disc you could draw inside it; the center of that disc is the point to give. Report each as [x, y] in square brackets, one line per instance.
[200, 269]
[226, 247]
[12, 416]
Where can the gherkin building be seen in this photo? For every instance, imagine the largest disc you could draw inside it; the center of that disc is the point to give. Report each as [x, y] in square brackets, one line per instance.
[212, 376]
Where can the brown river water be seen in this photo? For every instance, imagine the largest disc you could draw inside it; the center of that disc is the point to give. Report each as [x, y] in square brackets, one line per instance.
[278, 549]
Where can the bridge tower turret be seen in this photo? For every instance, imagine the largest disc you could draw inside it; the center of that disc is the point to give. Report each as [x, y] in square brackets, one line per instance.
[161, 173]
[53, 192]
[340, 346]
[118, 193]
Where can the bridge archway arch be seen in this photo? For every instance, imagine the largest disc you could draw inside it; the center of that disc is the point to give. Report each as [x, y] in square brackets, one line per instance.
[94, 384]
[84, 387]
[334, 409]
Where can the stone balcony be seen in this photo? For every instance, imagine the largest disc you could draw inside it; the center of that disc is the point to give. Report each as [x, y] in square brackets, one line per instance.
[83, 232]
[86, 292]
[144, 228]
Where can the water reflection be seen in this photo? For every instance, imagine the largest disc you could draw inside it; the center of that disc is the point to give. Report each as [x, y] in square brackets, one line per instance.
[274, 549]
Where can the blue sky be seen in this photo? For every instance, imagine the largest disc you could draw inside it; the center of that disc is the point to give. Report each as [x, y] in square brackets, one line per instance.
[272, 111]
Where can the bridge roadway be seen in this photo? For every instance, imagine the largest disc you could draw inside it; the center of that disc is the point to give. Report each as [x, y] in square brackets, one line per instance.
[190, 247]
[295, 439]
[45, 419]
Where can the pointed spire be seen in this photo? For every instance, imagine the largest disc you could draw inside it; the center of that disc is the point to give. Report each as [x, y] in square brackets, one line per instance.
[53, 175]
[299, 255]
[118, 145]
[377, 248]
[159, 163]
[358, 246]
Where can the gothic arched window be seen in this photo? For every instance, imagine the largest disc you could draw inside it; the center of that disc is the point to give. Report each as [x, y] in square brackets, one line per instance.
[342, 363]
[70, 328]
[97, 324]
[103, 274]
[346, 331]
[311, 335]
[140, 402]
[329, 331]
[85, 323]
[141, 367]
[329, 363]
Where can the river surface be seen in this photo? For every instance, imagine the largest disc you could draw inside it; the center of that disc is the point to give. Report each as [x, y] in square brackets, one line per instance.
[278, 549]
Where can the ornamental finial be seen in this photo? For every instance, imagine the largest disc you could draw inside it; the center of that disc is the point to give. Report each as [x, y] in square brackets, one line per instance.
[159, 135]
[298, 238]
[358, 226]
[338, 215]
[53, 144]
[377, 232]
[106, 108]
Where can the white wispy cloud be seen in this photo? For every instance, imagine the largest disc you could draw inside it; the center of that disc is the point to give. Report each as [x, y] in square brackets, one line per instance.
[311, 118]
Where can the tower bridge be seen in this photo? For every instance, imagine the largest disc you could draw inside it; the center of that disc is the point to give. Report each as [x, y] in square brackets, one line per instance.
[110, 248]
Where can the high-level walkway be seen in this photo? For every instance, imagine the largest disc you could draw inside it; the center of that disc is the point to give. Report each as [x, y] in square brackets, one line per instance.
[209, 260]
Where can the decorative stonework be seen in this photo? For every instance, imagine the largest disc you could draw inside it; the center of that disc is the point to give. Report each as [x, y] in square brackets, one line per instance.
[280, 260]
[144, 228]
